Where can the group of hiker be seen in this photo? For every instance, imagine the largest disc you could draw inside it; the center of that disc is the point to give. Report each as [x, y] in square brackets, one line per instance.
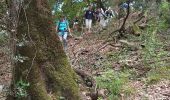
[99, 15]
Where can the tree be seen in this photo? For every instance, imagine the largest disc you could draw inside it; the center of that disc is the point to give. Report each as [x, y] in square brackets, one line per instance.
[40, 58]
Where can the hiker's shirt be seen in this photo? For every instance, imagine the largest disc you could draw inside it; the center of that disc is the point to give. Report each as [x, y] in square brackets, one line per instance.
[89, 14]
[63, 26]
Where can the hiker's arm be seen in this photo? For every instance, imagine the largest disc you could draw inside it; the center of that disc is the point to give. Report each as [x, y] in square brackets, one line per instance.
[57, 26]
[68, 27]
[69, 30]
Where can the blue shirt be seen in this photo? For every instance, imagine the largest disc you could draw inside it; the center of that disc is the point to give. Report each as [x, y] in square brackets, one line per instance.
[63, 25]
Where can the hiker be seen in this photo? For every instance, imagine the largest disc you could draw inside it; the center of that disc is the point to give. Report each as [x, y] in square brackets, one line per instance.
[102, 18]
[97, 17]
[62, 27]
[109, 15]
[89, 14]
[75, 23]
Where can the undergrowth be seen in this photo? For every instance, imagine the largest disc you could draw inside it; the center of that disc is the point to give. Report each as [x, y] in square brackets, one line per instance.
[116, 83]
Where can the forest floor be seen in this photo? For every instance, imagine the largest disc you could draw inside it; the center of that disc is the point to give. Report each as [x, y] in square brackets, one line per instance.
[5, 72]
[106, 60]
[96, 55]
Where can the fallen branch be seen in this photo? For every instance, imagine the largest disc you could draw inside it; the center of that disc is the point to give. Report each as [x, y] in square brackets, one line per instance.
[139, 19]
[135, 45]
[122, 28]
[87, 78]
[90, 82]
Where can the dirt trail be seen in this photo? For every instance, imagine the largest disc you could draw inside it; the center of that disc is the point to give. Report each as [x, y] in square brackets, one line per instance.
[88, 54]
[5, 73]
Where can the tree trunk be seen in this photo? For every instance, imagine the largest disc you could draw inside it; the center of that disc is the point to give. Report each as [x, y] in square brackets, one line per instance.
[45, 65]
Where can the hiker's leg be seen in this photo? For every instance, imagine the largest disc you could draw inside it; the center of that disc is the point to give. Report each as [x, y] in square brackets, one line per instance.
[74, 26]
[60, 36]
[107, 21]
[104, 24]
[65, 39]
[101, 24]
[87, 25]
[90, 25]
[65, 35]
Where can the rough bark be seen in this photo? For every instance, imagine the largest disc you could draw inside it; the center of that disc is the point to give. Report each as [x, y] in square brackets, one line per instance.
[46, 67]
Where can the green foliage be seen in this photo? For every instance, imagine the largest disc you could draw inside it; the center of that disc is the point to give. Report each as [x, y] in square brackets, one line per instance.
[3, 38]
[155, 75]
[3, 7]
[71, 9]
[153, 50]
[21, 87]
[164, 12]
[114, 83]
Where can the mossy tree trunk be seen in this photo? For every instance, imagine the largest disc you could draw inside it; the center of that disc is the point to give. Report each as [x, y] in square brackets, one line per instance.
[45, 66]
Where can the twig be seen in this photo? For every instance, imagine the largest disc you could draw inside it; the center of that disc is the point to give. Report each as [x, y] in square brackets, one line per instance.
[138, 19]
[32, 42]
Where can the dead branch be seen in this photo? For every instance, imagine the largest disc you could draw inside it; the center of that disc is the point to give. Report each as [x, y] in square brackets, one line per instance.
[87, 78]
[139, 19]
[90, 82]
[122, 28]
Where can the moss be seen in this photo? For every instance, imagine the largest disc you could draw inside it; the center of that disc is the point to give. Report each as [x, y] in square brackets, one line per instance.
[64, 82]
[37, 85]
[49, 51]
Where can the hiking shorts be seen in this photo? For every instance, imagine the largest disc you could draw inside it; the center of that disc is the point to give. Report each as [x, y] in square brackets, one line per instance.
[88, 23]
[63, 35]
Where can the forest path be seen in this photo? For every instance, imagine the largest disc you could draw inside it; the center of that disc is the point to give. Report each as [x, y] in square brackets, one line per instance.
[89, 53]
[5, 72]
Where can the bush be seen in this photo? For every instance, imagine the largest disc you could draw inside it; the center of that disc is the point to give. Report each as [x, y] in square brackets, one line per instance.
[114, 82]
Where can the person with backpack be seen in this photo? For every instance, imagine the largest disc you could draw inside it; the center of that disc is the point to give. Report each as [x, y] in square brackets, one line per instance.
[102, 18]
[109, 14]
[75, 24]
[62, 27]
[89, 14]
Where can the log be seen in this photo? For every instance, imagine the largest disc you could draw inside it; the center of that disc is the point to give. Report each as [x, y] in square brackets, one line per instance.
[133, 45]
[87, 78]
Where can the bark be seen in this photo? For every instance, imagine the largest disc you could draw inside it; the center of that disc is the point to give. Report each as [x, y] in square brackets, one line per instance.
[46, 66]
